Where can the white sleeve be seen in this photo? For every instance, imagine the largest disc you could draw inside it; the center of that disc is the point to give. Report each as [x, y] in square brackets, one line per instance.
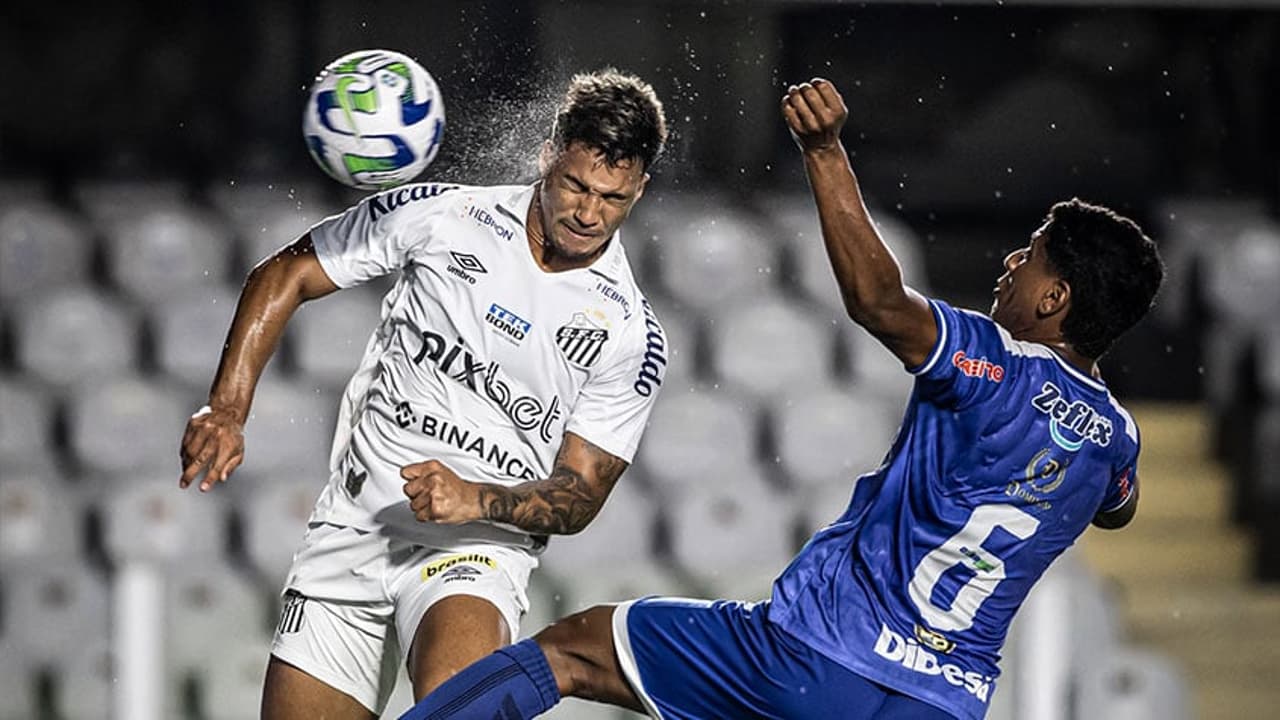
[613, 407]
[378, 235]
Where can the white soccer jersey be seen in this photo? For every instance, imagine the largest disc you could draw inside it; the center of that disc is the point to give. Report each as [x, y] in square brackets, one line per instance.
[482, 360]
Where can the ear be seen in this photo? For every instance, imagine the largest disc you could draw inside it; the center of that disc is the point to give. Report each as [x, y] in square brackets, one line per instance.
[546, 157]
[1056, 299]
[644, 183]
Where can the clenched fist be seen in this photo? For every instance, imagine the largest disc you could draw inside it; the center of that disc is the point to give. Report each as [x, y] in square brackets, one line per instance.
[437, 494]
[815, 113]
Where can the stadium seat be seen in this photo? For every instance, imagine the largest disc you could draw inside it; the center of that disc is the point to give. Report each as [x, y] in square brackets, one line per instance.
[330, 334]
[110, 202]
[290, 431]
[268, 216]
[53, 612]
[211, 609]
[40, 520]
[587, 587]
[190, 331]
[128, 424]
[148, 518]
[160, 254]
[1268, 348]
[1134, 684]
[770, 347]
[74, 336]
[42, 247]
[621, 534]
[874, 368]
[693, 436]
[18, 692]
[231, 682]
[830, 434]
[735, 534]
[682, 335]
[275, 519]
[26, 421]
[716, 257]
[1240, 278]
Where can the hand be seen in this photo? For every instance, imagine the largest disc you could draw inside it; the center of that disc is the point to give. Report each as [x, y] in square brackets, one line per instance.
[437, 494]
[815, 113]
[213, 445]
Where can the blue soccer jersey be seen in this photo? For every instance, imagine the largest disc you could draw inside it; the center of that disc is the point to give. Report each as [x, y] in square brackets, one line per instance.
[1005, 454]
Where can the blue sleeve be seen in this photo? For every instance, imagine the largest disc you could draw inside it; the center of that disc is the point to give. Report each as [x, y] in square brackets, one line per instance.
[969, 360]
[1122, 487]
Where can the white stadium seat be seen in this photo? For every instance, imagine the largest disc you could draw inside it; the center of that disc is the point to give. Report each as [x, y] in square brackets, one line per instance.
[1240, 278]
[26, 417]
[109, 202]
[823, 503]
[831, 434]
[1134, 684]
[53, 612]
[267, 216]
[163, 253]
[149, 518]
[620, 535]
[40, 520]
[190, 331]
[874, 368]
[41, 247]
[692, 436]
[682, 337]
[735, 534]
[330, 334]
[231, 682]
[770, 346]
[18, 691]
[210, 609]
[75, 335]
[128, 424]
[275, 519]
[717, 256]
[289, 431]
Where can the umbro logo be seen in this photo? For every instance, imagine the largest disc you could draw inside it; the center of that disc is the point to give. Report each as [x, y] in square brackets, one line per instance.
[468, 262]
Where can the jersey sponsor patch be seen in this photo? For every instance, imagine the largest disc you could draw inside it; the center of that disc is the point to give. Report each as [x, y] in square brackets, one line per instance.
[908, 653]
[1071, 423]
[432, 569]
[507, 324]
[581, 340]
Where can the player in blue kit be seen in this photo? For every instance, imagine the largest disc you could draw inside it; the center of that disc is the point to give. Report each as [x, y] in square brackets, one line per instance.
[1011, 446]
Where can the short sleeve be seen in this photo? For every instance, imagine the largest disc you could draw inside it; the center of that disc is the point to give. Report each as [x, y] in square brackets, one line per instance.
[969, 359]
[378, 235]
[613, 406]
[1122, 488]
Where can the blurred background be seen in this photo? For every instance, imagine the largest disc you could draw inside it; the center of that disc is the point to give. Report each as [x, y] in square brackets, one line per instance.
[151, 153]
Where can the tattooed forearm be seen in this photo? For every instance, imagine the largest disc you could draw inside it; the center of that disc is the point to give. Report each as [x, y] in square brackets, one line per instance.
[562, 504]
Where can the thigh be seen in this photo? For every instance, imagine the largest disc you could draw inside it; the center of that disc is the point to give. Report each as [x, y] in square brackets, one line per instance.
[330, 654]
[699, 660]
[291, 694]
[456, 606]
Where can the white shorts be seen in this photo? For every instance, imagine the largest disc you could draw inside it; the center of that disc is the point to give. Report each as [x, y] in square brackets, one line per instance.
[351, 594]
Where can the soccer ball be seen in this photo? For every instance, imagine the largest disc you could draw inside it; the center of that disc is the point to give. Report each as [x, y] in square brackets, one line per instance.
[374, 119]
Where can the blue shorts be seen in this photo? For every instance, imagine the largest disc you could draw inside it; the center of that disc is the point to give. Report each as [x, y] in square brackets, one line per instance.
[703, 660]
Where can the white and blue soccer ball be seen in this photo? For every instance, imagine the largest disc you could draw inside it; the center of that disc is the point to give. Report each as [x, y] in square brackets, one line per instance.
[375, 119]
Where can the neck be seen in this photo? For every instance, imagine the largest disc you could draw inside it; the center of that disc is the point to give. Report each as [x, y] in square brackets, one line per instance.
[1076, 359]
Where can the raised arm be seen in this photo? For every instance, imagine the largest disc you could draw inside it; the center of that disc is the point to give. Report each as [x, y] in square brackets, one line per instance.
[869, 276]
[561, 504]
[213, 444]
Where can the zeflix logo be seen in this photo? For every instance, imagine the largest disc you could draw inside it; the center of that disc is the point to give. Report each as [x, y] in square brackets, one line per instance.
[907, 652]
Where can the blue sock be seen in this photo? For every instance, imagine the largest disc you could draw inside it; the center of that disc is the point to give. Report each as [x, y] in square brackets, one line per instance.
[513, 683]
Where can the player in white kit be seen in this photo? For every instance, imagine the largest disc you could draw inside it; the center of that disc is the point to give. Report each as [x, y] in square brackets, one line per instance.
[505, 390]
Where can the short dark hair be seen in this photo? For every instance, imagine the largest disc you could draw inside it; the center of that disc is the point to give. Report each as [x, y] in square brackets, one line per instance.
[1112, 267]
[616, 113]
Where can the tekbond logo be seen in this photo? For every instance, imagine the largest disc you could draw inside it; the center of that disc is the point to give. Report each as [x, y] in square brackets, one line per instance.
[463, 265]
[581, 341]
[909, 653]
[433, 569]
[1071, 423]
[507, 324]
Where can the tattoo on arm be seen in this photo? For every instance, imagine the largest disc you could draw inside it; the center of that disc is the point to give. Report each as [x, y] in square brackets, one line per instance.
[563, 503]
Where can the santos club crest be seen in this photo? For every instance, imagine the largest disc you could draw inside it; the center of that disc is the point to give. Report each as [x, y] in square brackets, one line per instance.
[581, 340]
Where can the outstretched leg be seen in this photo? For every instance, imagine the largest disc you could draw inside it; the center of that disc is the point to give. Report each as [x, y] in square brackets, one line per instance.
[571, 657]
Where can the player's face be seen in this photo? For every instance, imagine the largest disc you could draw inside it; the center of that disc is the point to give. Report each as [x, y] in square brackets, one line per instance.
[1020, 291]
[584, 199]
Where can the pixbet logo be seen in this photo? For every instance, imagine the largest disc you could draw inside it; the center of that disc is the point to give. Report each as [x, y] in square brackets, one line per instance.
[909, 654]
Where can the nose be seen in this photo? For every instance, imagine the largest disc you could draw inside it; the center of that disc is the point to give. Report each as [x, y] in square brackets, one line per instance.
[1011, 260]
[587, 212]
